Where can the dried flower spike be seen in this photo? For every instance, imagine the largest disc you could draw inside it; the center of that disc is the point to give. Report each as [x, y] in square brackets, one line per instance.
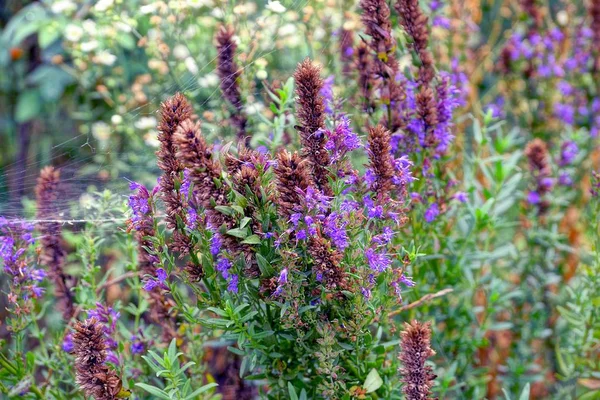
[93, 376]
[311, 119]
[537, 154]
[52, 254]
[414, 23]
[173, 112]
[380, 161]
[384, 67]
[293, 176]
[415, 350]
[230, 76]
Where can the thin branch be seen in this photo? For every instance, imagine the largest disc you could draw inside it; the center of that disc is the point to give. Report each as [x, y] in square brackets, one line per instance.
[422, 300]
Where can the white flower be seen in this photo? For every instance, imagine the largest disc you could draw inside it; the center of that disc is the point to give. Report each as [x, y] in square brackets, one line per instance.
[106, 58]
[261, 74]
[145, 123]
[124, 27]
[287, 29]
[89, 46]
[73, 33]
[101, 131]
[199, 3]
[254, 108]
[217, 13]
[208, 80]
[275, 6]
[191, 65]
[86, 200]
[180, 52]
[116, 119]
[63, 6]
[103, 5]
[148, 8]
[89, 26]
[151, 139]
[562, 17]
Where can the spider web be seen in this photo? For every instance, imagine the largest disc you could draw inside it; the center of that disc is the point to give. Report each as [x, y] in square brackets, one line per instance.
[80, 171]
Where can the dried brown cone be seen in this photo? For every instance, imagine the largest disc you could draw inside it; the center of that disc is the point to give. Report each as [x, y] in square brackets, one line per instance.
[427, 111]
[93, 376]
[363, 65]
[594, 11]
[415, 350]
[415, 23]
[230, 73]
[173, 112]
[209, 192]
[293, 174]
[205, 171]
[243, 170]
[380, 161]
[384, 68]
[311, 119]
[536, 152]
[326, 263]
[52, 253]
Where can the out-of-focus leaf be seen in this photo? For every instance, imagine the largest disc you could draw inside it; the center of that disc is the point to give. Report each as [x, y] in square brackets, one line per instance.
[29, 105]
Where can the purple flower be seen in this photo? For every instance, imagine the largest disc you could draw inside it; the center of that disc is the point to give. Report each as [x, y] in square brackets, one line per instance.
[327, 93]
[67, 345]
[441, 21]
[108, 317]
[461, 197]
[565, 179]
[407, 280]
[366, 292]
[223, 266]
[192, 218]
[185, 185]
[378, 262]
[385, 237]
[161, 275]
[150, 285]
[568, 153]
[403, 174]
[137, 346]
[295, 219]
[432, 212]
[373, 211]
[215, 244]
[232, 284]
[281, 281]
[533, 197]
[342, 140]
[139, 204]
[301, 234]
[335, 228]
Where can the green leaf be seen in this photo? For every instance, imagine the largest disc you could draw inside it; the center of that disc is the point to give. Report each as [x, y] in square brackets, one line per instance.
[126, 41]
[292, 392]
[201, 390]
[153, 390]
[264, 266]
[525, 393]
[373, 381]
[252, 239]
[29, 105]
[237, 232]
[48, 34]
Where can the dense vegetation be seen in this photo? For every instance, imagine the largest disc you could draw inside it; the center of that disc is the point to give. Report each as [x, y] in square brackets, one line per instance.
[202, 199]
